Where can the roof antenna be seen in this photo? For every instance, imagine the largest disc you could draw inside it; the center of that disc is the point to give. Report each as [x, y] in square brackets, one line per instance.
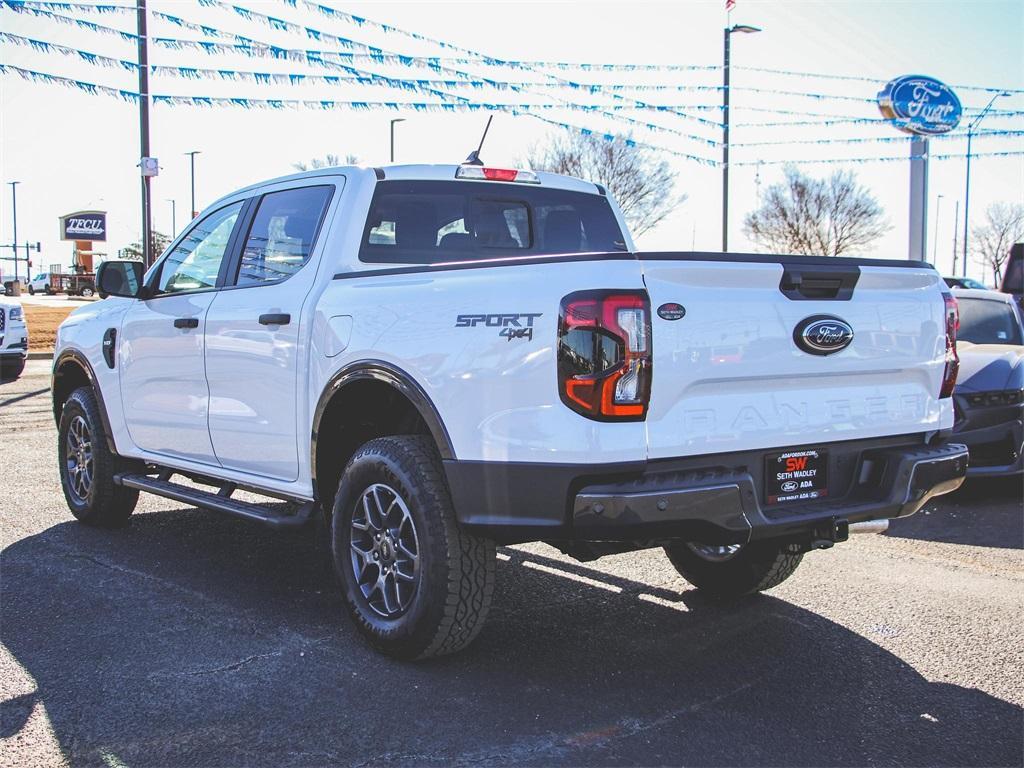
[474, 156]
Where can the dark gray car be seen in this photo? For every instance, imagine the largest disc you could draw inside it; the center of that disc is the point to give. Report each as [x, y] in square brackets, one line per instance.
[989, 396]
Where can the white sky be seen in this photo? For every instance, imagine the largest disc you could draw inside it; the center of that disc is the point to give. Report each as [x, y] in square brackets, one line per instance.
[72, 151]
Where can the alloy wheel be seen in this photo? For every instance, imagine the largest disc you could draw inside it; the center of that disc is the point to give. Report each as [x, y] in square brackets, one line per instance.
[79, 459]
[385, 551]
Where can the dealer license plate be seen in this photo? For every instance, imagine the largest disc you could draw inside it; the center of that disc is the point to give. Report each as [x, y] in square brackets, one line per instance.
[795, 476]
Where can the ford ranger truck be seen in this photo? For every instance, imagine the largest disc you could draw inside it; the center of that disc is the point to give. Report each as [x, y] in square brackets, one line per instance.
[425, 361]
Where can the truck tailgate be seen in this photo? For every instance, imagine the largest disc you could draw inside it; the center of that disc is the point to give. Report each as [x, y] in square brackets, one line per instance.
[729, 375]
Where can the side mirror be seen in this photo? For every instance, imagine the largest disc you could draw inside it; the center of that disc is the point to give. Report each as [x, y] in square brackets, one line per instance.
[119, 278]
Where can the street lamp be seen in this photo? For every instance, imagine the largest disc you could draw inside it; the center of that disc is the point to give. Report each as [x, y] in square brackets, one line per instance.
[746, 29]
[967, 186]
[14, 213]
[395, 120]
[935, 244]
[192, 161]
[174, 216]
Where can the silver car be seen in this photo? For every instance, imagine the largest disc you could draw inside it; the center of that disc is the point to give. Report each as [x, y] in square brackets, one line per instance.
[989, 395]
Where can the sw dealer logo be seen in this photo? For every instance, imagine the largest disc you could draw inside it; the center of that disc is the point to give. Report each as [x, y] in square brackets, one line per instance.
[796, 476]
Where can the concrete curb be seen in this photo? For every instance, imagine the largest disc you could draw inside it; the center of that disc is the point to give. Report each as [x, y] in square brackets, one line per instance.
[40, 355]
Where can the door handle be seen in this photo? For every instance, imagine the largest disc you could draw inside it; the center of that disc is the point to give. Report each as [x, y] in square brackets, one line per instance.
[275, 319]
[186, 322]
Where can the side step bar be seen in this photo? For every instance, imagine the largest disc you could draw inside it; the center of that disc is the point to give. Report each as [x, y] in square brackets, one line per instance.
[220, 502]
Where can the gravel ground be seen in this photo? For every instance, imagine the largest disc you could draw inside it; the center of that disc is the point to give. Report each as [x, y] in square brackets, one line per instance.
[192, 638]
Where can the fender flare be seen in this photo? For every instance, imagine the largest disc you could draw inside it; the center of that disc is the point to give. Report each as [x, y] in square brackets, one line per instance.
[79, 359]
[393, 376]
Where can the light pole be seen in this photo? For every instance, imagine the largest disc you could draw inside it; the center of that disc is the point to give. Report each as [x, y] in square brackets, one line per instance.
[746, 28]
[14, 213]
[967, 185]
[192, 174]
[395, 120]
[935, 244]
[174, 216]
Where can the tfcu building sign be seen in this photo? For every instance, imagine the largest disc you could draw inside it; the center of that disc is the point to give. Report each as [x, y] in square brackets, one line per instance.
[84, 225]
[920, 105]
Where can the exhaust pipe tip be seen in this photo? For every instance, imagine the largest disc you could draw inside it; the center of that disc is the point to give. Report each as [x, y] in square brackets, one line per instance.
[870, 526]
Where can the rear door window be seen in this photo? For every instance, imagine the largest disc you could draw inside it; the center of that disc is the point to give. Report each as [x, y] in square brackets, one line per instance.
[424, 222]
[281, 237]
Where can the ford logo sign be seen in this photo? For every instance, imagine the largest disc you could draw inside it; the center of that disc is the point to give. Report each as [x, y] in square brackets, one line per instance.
[822, 334]
[789, 486]
[920, 105]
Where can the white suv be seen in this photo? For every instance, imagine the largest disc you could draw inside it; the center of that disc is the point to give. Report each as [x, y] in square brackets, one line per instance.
[13, 340]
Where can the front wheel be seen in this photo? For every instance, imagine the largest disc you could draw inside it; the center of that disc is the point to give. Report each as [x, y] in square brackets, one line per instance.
[87, 292]
[31, 291]
[88, 466]
[735, 570]
[416, 585]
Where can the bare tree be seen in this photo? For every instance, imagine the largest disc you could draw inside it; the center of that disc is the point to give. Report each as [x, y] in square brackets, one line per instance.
[327, 161]
[640, 180]
[158, 243]
[823, 217]
[1004, 226]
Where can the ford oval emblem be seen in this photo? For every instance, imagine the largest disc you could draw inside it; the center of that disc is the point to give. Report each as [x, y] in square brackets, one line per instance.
[789, 486]
[822, 334]
[920, 105]
[671, 311]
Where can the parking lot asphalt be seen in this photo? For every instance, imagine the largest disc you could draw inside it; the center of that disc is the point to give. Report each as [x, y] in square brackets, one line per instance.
[191, 638]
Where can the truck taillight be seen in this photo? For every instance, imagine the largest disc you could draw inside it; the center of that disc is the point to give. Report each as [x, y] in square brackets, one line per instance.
[604, 354]
[952, 361]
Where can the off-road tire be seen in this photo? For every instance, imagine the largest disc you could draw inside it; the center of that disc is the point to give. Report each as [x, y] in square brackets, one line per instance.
[754, 568]
[106, 505]
[11, 368]
[456, 569]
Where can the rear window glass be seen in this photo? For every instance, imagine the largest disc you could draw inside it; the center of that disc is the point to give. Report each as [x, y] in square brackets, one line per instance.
[983, 321]
[426, 222]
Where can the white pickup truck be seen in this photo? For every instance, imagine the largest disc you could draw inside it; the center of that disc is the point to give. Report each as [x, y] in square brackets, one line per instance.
[430, 360]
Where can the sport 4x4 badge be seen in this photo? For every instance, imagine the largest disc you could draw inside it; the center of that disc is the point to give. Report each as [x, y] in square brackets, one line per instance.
[513, 325]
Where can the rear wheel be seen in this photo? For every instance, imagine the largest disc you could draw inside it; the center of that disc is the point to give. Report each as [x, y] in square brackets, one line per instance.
[416, 585]
[734, 570]
[87, 292]
[88, 466]
[31, 291]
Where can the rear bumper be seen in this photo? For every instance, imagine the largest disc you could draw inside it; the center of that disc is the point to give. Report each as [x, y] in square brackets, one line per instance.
[996, 450]
[713, 499]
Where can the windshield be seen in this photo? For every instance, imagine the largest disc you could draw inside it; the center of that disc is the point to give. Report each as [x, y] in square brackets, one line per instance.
[983, 321]
[427, 222]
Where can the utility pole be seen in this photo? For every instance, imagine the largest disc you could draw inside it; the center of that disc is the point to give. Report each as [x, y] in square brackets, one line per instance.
[935, 244]
[746, 28]
[146, 166]
[192, 175]
[956, 230]
[14, 213]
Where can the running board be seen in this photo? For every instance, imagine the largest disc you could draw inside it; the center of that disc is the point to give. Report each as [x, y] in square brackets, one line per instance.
[220, 502]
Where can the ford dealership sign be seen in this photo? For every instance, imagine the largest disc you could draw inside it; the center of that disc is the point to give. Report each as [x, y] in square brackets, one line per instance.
[84, 225]
[920, 105]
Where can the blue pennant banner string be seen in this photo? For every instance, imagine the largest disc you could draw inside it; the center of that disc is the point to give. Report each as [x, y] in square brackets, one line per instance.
[862, 79]
[277, 104]
[68, 82]
[988, 134]
[439, 64]
[20, 7]
[85, 7]
[46, 47]
[862, 160]
[475, 57]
